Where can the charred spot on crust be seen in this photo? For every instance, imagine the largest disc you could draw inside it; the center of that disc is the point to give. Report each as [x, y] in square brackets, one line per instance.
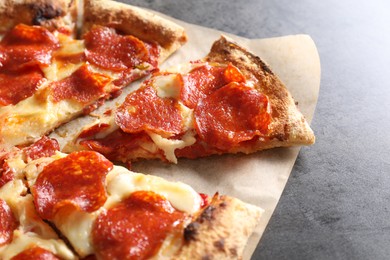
[44, 13]
[207, 257]
[191, 231]
[207, 214]
[220, 244]
[233, 251]
[279, 136]
[264, 66]
[223, 204]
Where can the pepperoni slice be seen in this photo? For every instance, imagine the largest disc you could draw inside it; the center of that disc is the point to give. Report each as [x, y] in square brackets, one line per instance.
[233, 74]
[109, 50]
[232, 114]
[7, 223]
[27, 45]
[17, 86]
[144, 110]
[44, 147]
[136, 227]
[35, 253]
[76, 180]
[7, 174]
[200, 82]
[82, 85]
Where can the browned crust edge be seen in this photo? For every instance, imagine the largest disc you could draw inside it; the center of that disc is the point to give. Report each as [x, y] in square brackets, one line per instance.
[135, 21]
[48, 13]
[288, 126]
[221, 231]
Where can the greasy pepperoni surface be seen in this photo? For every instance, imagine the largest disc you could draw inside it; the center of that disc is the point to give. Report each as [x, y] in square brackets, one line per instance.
[82, 85]
[17, 86]
[6, 172]
[134, 228]
[233, 74]
[26, 45]
[7, 223]
[200, 82]
[143, 110]
[44, 147]
[35, 253]
[109, 50]
[203, 80]
[230, 115]
[76, 180]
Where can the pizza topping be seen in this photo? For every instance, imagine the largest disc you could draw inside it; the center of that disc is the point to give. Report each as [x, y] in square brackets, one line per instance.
[233, 74]
[135, 227]
[109, 50]
[35, 253]
[76, 180]
[17, 86]
[82, 85]
[144, 110]
[6, 172]
[200, 82]
[44, 147]
[205, 200]
[7, 223]
[25, 46]
[232, 114]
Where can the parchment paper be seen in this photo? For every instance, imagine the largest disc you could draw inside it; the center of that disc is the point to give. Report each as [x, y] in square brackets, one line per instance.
[258, 178]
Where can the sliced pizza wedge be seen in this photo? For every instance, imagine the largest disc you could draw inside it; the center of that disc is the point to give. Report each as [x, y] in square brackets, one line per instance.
[23, 234]
[109, 212]
[228, 102]
[48, 77]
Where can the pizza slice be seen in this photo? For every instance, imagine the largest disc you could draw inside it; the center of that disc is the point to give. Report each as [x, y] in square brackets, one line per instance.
[228, 102]
[108, 212]
[48, 77]
[23, 234]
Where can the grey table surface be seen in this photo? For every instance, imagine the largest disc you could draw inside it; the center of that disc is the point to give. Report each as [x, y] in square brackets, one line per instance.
[336, 204]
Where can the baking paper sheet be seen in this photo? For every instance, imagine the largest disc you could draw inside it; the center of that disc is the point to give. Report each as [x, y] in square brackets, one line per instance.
[258, 178]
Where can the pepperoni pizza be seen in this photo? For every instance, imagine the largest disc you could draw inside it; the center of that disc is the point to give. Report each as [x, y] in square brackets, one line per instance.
[62, 59]
[228, 102]
[98, 210]
[56, 65]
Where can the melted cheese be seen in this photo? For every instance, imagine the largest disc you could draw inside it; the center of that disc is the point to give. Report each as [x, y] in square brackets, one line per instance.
[22, 241]
[168, 146]
[12, 191]
[76, 226]
[185, 67]
[167, 86]
[121, 183]
[33, 117]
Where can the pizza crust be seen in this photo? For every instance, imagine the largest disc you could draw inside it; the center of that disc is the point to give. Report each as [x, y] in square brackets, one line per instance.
[52, 14]
[288, 126]
[131, 20]
[221, 231]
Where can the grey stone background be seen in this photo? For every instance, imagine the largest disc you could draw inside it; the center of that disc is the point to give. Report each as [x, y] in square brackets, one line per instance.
[336, 203]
